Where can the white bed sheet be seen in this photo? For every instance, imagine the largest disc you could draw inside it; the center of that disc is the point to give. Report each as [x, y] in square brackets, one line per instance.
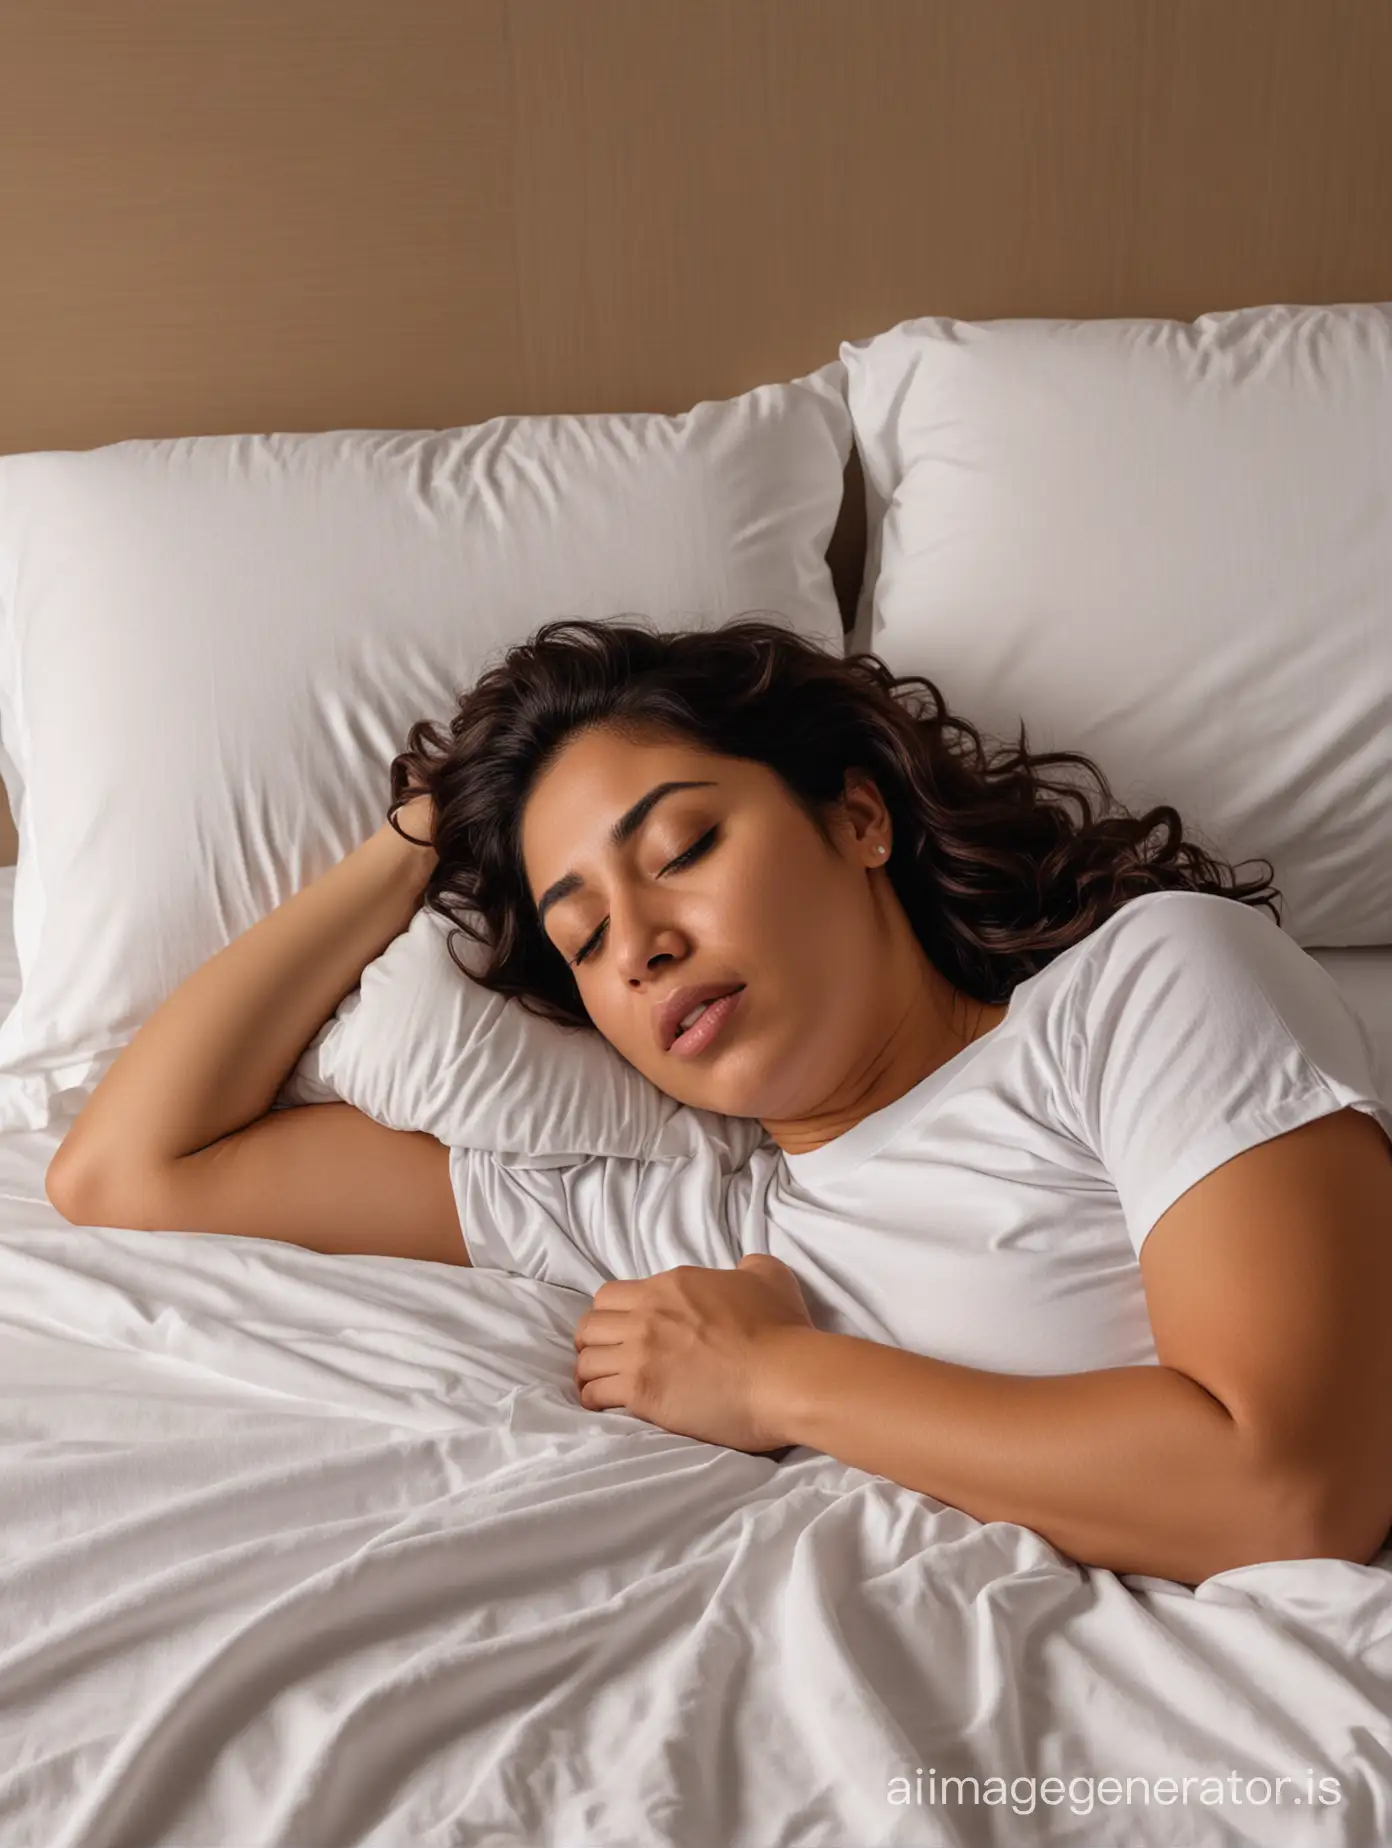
[305, 1551]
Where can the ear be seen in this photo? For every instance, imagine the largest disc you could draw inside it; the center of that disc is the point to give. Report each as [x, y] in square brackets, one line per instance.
[867, 816]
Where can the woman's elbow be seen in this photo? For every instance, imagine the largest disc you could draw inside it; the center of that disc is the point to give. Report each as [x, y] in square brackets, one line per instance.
[80, 1186]
[66, 1184]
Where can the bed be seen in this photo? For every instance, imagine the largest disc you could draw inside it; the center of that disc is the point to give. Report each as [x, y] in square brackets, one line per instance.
[300, 1552]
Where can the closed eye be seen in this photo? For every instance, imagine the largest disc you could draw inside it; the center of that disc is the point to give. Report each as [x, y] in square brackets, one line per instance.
[692, 853]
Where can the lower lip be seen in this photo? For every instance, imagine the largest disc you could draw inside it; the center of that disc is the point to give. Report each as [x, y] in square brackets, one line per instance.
[698, 1037]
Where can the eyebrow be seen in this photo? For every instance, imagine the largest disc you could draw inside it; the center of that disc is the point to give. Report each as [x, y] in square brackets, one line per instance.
[623, 829]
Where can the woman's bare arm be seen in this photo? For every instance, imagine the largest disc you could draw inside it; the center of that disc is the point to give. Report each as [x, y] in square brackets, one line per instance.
[1265, 1431]
[321, 1175]
[211, 1058]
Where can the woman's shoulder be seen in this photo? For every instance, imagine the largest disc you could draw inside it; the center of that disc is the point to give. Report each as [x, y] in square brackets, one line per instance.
[1160, 958]
[1184, 913]
[1192, 929]
[1180, 969]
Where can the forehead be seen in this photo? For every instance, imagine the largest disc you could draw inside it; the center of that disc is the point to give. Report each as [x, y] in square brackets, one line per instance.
[597, 775]
[601, 771]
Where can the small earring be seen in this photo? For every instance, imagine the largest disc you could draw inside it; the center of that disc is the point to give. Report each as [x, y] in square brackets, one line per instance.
[880, 849]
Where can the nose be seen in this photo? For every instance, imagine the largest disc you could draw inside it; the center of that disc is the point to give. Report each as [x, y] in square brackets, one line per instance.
[642, 942]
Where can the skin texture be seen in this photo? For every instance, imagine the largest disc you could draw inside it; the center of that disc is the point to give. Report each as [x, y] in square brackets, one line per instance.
[835, 1022]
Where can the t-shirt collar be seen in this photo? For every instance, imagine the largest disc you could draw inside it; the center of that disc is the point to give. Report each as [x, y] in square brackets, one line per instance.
[871, 1133]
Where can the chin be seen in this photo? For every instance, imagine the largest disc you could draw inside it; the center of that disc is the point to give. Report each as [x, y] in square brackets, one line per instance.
[734, 1093]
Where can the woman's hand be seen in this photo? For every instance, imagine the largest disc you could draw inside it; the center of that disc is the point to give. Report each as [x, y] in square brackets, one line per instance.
[689, 1349]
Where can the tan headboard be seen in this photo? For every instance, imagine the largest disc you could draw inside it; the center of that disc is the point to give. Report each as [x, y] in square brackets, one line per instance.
[407, 213]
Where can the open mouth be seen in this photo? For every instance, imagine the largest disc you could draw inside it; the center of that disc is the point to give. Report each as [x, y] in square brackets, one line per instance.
[703, 1023]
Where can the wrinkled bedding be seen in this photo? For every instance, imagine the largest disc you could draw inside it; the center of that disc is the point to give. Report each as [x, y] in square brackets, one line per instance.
[305, 1551]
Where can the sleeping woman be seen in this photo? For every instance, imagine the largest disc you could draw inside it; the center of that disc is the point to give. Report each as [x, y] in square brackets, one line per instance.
[1027, 1161]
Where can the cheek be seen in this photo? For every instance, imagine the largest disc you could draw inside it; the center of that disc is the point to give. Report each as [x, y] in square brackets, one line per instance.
[785, 905]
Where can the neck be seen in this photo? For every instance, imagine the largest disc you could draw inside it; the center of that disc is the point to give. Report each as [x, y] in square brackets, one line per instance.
[908, 1045]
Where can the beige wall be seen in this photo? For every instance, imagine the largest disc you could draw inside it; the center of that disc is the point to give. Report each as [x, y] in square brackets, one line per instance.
[401, 213]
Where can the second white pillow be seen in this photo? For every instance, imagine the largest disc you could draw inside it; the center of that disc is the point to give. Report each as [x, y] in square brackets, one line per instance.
[1163, 544]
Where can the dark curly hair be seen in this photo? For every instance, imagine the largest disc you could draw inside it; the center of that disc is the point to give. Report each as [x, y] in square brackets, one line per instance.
[996, 875]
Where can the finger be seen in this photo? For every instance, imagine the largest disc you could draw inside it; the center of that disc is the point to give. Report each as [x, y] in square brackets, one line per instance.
[604, 1395]
[621, 1293]
[602, 1327]
[597, 1363]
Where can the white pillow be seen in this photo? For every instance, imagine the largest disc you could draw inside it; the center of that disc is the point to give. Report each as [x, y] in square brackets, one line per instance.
[418, 1045]
[1166, 545]
[211, 648]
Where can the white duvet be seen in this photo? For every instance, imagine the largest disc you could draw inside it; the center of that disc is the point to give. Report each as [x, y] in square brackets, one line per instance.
[306, 1550]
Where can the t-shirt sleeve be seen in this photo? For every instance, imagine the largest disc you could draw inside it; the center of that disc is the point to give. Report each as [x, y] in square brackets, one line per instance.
[580, 1223]
[1198, 1030]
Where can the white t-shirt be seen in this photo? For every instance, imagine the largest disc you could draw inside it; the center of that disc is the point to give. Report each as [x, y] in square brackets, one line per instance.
[994, 1214]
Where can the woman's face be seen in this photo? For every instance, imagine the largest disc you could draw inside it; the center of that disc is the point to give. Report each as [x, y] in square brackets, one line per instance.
[720, 879]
